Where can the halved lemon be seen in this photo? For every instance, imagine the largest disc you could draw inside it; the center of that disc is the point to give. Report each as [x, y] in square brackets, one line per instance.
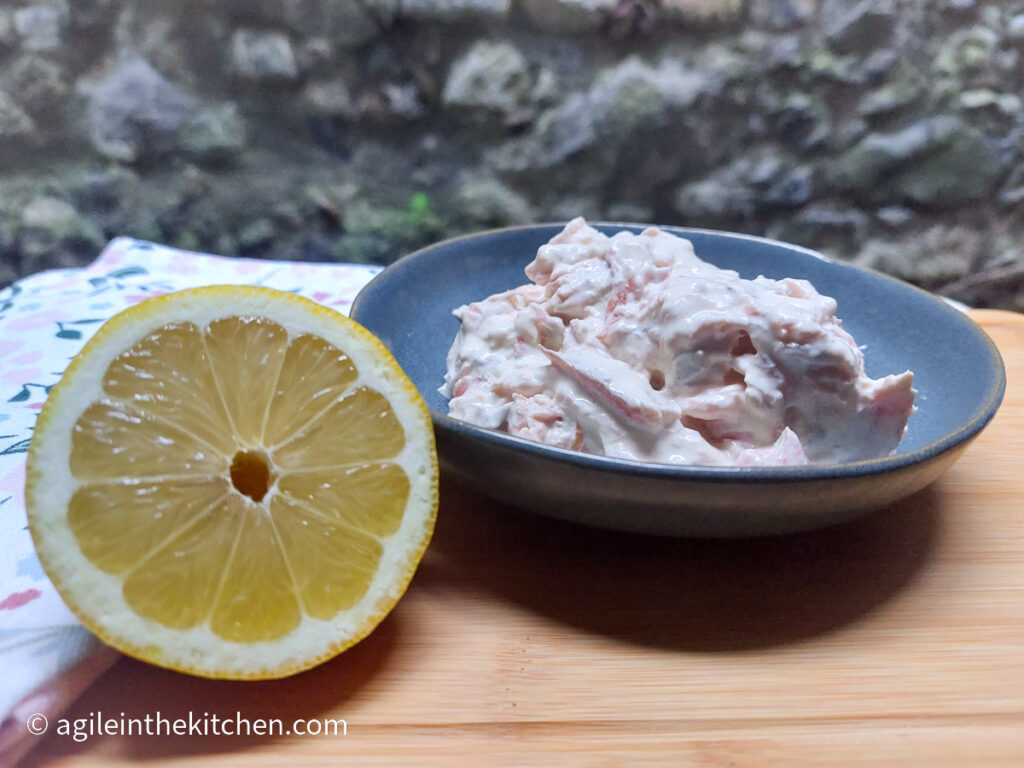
[233, 482]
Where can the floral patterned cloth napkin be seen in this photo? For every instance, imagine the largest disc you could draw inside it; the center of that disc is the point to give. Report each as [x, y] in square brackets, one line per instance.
[46, 657]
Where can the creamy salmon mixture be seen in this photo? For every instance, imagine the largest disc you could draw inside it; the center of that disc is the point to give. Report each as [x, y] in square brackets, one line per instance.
[630, 346]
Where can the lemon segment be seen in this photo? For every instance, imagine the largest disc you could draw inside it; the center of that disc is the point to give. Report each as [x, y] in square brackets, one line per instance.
[246, 354]
[168, 375]
[118, 524]
[314, 375]
[369, 497]
[233, 482]
[113, 439]
[257, 599]
[332, 563]
[323, 442]
[178, 582]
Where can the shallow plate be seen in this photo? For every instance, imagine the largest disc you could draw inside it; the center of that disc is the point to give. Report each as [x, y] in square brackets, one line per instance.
[957, 371]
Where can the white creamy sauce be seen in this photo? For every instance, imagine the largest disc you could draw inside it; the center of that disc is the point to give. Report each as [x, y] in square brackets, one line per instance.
[632, 347]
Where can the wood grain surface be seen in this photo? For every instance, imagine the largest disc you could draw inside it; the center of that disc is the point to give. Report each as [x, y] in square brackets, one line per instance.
[896, 640]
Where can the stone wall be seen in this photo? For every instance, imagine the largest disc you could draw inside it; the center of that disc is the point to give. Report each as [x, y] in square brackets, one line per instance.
[889, 132]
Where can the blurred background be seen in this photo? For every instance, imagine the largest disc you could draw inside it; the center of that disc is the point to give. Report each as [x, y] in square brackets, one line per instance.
[887, 132]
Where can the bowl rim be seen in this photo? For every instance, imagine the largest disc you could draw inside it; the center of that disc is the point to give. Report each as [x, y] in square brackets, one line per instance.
[691, 472]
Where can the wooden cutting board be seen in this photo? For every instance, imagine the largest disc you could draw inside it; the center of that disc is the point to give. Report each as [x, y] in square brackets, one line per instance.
[895, 640]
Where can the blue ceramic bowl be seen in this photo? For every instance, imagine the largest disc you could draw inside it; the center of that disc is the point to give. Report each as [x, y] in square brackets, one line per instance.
[957, 372]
